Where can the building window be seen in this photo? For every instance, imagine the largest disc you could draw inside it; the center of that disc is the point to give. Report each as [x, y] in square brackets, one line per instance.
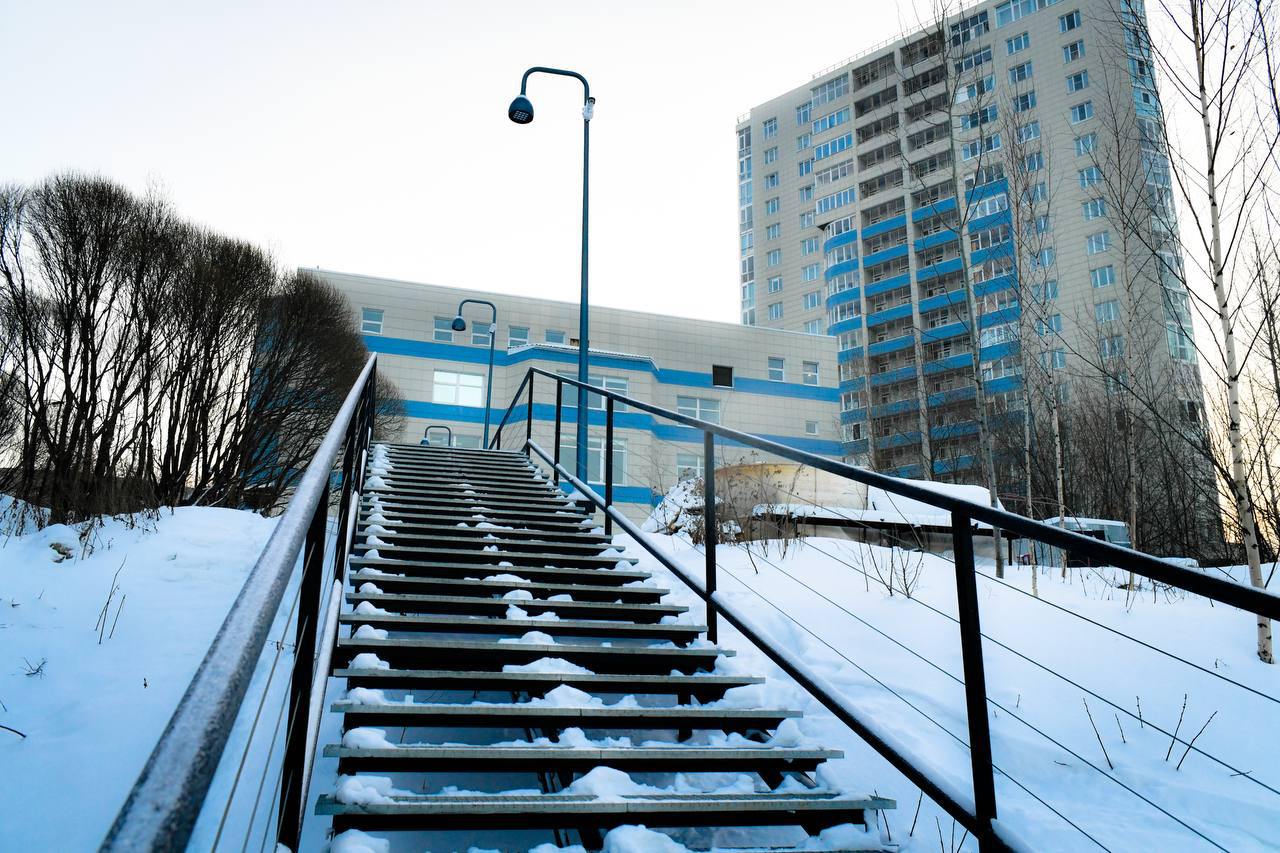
[1079, 81]
[517, 336]
[1086, 143]
[774, 258]
[1051, 324]
[616, 384]
[805, 167]
[1082, 112]
[1089, 177]
[1094, 208]
[554, 336]
[1054, 359]
[1069, 21]
[1017, 43]
[1020, 73]
[775, 283]
[803, 141]
[771, 206]
[809, 246]
[775, 310]
[1033, 162]
[769, 128]
[810, 427]
[813, 327]
[1112, 346]
[595, 457]
[1043, 259]
[480, 335]
[777, 369]
[809, 372]
[1072, 52]
[1181, 346]
[722, 376]
[1024, 102]
[457, 389]
[806, 194]
[1099, 242]
[702, 408]
[1029, 131]
[812, 272]
[371, 321]
[443, 330]
[689, 466]
[771, 181]
[773, 232]
[806, 219]
[770, 154]
[468, 441]
[802, 115]
[811, 300]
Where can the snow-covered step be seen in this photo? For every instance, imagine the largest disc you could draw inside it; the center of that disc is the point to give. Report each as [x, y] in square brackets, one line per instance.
[518, 486]
[457, 537]
[403, 519]
[428, 450]
[502, 564]
[500, 584]
[460, 463]
[462, 604]
[491, 553]
[475, 529]
[477, 511]
[547, 715]
[482, 654]
[819, 809]
[390, 493]
[518, 626]
[636, 759]
[702, 686]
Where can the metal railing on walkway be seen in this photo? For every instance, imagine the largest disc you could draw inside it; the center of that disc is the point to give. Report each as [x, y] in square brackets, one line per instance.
[166, 801]
[976, 810]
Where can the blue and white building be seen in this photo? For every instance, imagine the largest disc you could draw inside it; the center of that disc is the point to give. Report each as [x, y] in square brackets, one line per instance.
[777, 383]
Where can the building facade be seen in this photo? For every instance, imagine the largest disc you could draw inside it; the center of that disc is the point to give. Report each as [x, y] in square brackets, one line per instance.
[971, 185]
[775, 383]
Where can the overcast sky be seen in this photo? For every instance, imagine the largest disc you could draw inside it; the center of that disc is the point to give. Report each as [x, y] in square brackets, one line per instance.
[372, 137]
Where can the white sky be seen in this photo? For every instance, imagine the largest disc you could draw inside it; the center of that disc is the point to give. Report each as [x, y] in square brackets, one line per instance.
[372, 137]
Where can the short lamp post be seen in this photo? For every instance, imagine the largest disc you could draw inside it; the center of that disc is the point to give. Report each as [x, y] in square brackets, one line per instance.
[521, 112]
[460, 325]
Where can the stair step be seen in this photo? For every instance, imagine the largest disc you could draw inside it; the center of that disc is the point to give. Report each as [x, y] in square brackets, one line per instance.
[811, 810]
[428, 449]
[422, 479]
[460, 604]
[414, 497]
[428, 531]
[517, 627]
[505, 539]
[486, 589]
[481, 654]
[466, 512]
[526, 715]
[531, 558]
[459, 463]
[420, 568]
[647, 759]
[552, 524]
[702, 686]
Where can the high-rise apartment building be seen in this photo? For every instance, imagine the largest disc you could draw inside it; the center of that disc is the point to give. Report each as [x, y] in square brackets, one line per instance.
[994, 180]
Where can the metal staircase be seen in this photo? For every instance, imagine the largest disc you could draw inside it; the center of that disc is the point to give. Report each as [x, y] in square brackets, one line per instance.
[459, 556]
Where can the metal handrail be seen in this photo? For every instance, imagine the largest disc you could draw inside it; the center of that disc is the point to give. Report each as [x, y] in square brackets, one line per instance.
[976, 813]
[1256, 601]
[165, 802]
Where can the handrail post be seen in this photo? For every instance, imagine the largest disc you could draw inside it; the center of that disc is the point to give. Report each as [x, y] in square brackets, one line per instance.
[344, 502]
[975, 680]
[608, 464]
[555, 474]
[528, 426]
[710, 528]
[302, 682]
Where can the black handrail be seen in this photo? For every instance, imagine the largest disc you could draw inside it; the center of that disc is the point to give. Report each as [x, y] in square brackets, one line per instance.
[166, 800]
[978, 814]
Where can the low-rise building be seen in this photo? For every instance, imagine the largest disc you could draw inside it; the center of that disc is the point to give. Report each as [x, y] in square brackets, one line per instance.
[770, 382]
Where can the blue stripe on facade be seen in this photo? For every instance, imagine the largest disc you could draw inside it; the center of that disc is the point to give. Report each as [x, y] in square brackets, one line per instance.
[840, 240]
[842, 267]
[884, 255]
[935, 270]
[849, 294]
[987, 190]
[937, 239]
[888, 315]
[885, 285]
[934, 209]
[845, 326]
[891, 345]
[887, 225]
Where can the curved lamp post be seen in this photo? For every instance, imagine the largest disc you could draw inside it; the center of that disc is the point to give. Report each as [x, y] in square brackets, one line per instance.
[460, 325]
[521, 112]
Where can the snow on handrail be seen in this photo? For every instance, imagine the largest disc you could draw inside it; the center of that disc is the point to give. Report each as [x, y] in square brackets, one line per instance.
[166, 800]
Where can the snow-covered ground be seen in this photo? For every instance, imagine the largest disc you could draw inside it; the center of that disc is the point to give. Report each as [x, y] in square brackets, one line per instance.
[817, 602]
[92, 711]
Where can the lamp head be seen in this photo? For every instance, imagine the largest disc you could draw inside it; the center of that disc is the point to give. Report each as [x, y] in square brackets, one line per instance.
[521, 110]
[459, 324]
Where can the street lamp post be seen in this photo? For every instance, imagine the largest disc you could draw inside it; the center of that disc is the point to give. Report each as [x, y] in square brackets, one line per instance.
[460, 325]
[521, 112]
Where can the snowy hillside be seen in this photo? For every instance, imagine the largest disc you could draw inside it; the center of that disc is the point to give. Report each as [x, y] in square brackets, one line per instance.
[898, 659]
[92, 698]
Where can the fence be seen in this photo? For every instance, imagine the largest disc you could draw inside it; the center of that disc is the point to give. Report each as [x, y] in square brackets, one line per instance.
[975, 811]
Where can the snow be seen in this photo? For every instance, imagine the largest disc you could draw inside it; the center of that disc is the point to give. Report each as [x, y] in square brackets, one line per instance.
[367, 790]
[355, 841]
[559, 665]
[837, 628]
[368, 660]
[368, 632]
[94, 712]
[531, 638]
[366, 738]
[506, 577]
[518, 595]
[367, 608]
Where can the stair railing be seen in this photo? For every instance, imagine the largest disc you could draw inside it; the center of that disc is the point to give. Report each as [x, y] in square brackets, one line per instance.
[975, 810]
[165, 802]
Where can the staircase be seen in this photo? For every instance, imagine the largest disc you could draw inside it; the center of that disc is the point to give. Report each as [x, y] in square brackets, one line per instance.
[500, 644]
